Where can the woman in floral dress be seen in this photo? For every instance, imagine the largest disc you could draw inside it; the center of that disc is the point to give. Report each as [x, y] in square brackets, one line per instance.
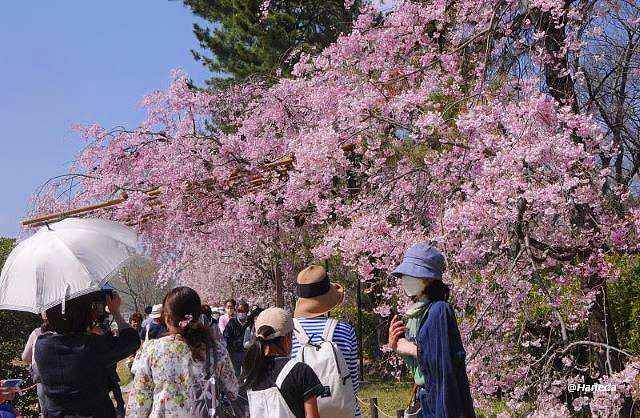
[167, 367]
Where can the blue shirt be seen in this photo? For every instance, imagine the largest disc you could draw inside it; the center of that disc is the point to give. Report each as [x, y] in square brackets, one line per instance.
[156, 330]
[344, 337]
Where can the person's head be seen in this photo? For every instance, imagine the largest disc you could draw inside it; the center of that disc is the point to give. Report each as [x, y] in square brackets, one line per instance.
[135, 320]
[230, 307]
[156, 313]
[79, 315]
[242, 310]
[181, 311]
[420, 273]
[205, 316]
[254, 311]
[46, 326]
[316, 294]
[148, 309]
[215, 314]
[273, 331]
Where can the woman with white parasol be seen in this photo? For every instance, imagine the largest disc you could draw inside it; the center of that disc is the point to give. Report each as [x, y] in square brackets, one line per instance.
[62, 270]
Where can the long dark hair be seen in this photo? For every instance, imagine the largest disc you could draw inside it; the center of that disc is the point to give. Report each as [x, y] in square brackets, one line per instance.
[253, 365]
[437, 290]
[77, 318]
[177, 304]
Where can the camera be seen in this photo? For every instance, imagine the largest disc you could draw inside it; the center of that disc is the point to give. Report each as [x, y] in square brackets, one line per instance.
[100, 300]
[104, 293]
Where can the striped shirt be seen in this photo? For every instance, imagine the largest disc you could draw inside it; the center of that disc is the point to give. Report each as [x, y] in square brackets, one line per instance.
[344, 337]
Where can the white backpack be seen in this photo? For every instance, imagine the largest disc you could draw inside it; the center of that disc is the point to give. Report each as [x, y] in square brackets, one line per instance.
[326, 359]
[269, 403]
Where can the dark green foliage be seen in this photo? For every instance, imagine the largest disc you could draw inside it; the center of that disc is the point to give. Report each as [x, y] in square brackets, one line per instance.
[14, 330]
[624, 299]
[242, 43]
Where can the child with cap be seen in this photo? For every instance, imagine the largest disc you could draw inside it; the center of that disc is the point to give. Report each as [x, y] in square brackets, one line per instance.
[277, 386]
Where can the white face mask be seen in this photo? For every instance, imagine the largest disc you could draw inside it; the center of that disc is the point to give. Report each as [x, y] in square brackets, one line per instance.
[412, 285]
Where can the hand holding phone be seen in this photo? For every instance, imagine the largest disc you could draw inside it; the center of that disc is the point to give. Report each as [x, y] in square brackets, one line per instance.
[9, 388]
[396, 331]
[11, 383]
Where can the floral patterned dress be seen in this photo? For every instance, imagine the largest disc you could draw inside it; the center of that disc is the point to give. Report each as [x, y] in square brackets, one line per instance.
[164, 371]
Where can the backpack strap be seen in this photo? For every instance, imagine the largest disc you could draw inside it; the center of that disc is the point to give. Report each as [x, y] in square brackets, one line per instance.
[285, 372]
[327, 337]
[146, 337]
[329, 329]
[301, 335]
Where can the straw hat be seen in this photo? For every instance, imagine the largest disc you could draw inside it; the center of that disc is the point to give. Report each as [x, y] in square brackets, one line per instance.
[316, 295]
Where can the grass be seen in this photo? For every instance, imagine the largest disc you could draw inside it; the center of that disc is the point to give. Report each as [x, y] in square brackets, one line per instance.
[391, 394]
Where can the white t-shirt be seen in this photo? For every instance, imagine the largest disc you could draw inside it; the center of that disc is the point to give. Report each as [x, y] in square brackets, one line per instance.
[27, 354]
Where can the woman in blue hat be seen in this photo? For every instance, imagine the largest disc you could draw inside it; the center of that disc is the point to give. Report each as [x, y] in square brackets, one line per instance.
[430, 342]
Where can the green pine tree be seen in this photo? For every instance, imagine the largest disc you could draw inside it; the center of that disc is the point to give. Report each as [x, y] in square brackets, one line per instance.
[241, 42]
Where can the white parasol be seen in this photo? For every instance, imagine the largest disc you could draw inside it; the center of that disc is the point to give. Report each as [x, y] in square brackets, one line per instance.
[62, 261]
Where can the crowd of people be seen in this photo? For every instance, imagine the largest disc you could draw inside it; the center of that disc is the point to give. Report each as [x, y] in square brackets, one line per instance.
[191, 360]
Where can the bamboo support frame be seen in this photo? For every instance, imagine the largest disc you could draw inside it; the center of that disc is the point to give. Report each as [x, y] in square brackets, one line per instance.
[41, 220]
[253, 181]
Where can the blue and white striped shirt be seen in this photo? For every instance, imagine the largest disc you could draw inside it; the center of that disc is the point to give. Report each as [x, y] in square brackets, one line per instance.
[344, 337]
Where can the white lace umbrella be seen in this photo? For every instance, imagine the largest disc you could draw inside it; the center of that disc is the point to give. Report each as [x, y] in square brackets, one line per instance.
[62, 261]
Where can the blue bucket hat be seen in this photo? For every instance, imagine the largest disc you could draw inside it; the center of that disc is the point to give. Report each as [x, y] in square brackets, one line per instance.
[423, 261]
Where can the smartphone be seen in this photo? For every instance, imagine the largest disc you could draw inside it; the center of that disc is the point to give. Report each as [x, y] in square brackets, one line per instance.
[12, 383]
[394, 312]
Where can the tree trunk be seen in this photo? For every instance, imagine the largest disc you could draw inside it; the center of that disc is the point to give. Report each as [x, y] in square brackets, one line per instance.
[601, 330]
[557, 77]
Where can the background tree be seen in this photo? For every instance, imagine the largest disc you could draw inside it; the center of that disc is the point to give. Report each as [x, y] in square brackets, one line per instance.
[256, 37]
[609, 87]
[139, 286]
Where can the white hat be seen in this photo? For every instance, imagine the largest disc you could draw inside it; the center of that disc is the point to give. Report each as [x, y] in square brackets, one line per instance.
[156, 311]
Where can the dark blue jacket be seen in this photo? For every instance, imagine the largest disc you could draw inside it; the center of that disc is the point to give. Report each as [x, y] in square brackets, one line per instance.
[156, 330]
[75, 371]
[442, 359]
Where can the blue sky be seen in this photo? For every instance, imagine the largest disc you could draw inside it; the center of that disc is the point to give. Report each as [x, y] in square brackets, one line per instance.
[72, 61]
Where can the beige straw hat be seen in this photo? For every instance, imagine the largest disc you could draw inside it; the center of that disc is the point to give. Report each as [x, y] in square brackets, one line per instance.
[316, 295]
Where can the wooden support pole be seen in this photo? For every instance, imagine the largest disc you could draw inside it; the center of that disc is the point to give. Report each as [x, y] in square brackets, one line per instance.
[61, 215]
[373, 407]
[360, 326]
